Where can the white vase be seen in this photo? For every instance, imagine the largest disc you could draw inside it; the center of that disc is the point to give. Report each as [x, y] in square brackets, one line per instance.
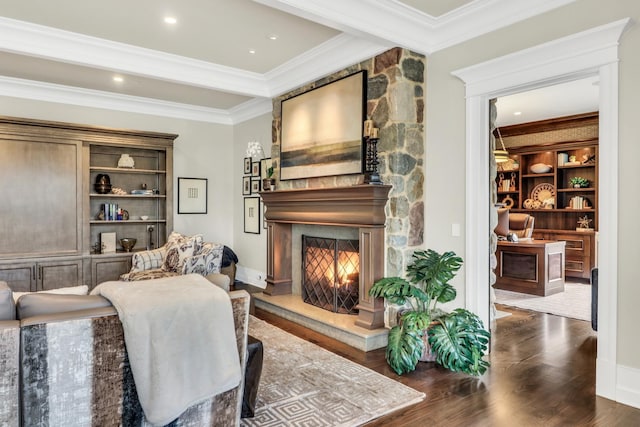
[125, 161]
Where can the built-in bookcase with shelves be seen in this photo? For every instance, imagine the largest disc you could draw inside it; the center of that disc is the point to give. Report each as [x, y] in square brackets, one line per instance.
[529, 189]
[150, 173]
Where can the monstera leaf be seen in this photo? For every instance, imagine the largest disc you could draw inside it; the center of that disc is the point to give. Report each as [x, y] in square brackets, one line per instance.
[460, 341]
[404, 348]
[397, 290]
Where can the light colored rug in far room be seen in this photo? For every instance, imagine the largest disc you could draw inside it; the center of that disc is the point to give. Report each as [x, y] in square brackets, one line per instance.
[303, 384]
[574, 302]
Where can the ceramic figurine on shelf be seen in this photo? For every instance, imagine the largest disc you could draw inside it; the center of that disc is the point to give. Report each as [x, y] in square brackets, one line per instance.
[126, 161]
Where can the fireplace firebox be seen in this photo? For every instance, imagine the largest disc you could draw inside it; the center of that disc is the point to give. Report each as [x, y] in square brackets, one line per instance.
[330, 273]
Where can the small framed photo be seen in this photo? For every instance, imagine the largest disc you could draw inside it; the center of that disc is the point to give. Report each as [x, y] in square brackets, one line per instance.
[252, 215]
[247, 165]
[255, 185]
[192, 195]
[255, 169]
[246, 185]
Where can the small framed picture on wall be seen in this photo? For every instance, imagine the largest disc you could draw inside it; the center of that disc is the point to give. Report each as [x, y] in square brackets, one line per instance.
[255, 185]
[255, 169]
[247, 165]
[246, 185]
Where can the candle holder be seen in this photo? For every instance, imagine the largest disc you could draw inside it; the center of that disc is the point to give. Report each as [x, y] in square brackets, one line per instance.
[371, 175]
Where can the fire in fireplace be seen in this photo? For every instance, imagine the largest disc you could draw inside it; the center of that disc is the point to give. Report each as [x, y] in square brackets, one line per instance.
[330, 273]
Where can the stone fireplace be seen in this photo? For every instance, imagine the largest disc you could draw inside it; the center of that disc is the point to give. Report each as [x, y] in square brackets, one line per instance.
[360, 207]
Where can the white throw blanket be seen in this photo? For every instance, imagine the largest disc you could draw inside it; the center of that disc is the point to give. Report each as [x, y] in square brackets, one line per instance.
[180, 338]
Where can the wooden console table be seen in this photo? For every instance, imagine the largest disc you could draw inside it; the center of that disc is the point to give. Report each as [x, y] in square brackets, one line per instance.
[533, 267]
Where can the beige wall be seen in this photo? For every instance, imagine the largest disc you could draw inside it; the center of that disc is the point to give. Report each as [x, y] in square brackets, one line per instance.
[250, 248]
[201, 151]
[445, 140]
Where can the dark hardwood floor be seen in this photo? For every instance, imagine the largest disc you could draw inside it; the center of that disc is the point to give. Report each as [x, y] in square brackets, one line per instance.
[542, 374]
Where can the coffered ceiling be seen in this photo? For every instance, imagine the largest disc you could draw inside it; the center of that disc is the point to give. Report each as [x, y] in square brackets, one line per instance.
[223, 60]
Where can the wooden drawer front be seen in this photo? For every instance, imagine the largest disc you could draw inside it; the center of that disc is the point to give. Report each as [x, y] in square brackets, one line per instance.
[574, 266]
[576, 246]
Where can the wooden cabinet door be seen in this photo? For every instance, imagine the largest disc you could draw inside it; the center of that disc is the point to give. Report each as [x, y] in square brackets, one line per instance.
[41, 195]
[104, 270]
[19, 276]
[59, 274]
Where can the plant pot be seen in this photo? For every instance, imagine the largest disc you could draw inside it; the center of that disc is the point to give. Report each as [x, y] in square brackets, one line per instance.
[268, 184]
[428, 355]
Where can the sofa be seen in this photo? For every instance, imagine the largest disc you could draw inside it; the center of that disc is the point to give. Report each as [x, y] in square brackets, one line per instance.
[185, 255]
[64, 362]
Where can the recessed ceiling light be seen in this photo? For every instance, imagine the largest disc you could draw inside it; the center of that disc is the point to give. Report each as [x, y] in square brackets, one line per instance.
[252, 51]
[517, 113]
[273, 37]
[118, 79]
[170, 20]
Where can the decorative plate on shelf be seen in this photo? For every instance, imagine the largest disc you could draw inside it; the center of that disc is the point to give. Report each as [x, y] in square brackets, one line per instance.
[528, 204]
[542, 192]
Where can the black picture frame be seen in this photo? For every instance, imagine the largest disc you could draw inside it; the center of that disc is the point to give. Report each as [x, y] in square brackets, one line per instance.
[247, 166]
[255, 169]
[192, 195]
[246, 185]
[252, 215]
[334, 144]
[255, 185]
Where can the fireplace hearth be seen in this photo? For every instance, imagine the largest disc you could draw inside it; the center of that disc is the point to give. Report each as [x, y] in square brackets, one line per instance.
[330, 273]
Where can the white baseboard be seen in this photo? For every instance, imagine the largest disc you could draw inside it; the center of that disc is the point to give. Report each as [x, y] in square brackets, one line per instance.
[251, 276]
[628, 387]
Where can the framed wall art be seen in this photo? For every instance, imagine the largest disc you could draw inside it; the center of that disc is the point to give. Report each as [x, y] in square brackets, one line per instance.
[252, 215]
[255, 169]
[247, 165]
[255, 185]
[246, 185]
[192, 195]
[322, 130]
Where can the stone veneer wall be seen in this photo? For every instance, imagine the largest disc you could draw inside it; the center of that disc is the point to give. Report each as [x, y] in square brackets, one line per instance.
[395, 103]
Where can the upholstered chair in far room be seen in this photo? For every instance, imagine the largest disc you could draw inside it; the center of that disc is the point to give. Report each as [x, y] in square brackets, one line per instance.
[520, 224]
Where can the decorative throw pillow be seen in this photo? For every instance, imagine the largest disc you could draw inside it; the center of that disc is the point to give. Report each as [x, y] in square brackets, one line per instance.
[148, 260]
[206, 262]
[180, 247]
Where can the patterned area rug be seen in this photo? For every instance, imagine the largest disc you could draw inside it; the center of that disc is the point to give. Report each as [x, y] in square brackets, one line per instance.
[305, 385]
[574, 302]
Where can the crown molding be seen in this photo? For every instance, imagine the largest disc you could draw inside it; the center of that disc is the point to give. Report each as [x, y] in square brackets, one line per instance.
[49, 92]
[74, 48]
[333, 55]
[594, 47]
[401, 25]
[250, 109]
[484, 16]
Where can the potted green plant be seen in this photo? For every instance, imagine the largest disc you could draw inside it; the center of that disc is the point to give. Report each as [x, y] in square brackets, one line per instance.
[458, 338]
[269, 182]
[579, 182]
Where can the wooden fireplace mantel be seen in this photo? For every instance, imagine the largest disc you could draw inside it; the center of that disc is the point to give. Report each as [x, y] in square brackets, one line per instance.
[354, 206]
[359, 206]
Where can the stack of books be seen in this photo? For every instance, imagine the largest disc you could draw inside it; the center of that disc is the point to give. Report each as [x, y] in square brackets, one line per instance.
[142, 192]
